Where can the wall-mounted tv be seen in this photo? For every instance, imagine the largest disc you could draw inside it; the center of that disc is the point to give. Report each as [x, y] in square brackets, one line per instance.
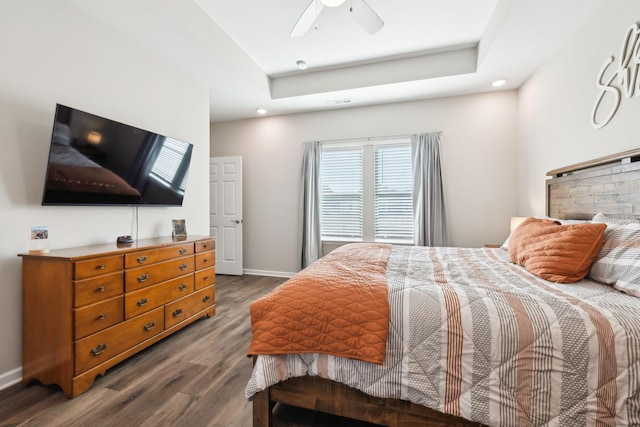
[97, 161]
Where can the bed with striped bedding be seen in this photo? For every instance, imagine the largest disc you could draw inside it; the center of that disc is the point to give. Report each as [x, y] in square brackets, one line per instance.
[477, 337]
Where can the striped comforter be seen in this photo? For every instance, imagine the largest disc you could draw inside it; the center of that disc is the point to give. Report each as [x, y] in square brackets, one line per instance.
[475, 336]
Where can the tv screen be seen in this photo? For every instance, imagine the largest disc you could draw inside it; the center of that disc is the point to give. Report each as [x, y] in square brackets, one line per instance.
[97, 161]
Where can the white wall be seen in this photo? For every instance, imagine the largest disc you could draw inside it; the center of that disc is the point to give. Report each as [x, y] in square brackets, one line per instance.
[556, 104]
[478, 153]
[51, 52]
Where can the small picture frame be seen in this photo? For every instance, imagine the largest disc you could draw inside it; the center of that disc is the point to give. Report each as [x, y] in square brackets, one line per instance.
[39, 239]
[179, 229]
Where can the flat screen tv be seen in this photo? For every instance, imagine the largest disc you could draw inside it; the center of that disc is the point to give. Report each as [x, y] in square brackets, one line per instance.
[97, 161]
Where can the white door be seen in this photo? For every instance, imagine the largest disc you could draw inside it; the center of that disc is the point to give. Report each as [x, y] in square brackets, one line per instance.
[225, 212]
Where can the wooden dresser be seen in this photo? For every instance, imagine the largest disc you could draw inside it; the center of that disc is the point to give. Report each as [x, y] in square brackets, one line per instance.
[86, 309]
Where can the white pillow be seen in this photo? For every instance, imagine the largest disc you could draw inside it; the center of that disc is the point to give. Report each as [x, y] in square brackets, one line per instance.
[602, 218]
[618, 262]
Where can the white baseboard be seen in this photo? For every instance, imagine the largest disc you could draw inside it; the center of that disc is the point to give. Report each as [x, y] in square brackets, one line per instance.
[10, 378]
[268, 273]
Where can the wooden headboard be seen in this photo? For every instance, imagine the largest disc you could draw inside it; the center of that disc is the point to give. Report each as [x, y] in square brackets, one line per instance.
[610, 185]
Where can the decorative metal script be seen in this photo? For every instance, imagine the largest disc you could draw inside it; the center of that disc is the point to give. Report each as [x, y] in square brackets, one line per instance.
[616, 80]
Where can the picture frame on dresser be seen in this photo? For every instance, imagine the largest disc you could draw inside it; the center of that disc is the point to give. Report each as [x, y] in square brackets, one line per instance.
[39, 239]
[179, 229]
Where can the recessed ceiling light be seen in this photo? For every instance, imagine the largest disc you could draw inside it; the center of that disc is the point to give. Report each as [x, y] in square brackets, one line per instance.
[498, 83]
[261, 111]
[301, 65]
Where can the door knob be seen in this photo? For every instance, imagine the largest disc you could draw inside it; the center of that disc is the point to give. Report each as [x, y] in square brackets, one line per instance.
[237, 221]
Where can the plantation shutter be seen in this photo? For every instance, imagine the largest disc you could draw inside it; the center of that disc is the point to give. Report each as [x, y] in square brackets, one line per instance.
[341, 215]
[393, 193]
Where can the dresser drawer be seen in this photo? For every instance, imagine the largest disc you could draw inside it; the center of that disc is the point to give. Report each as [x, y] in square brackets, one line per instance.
[204, 278]
[186, 307]
[100, 347]
[205, 245]
[98, 266]
[205, 260]
[146, 299]
[96, 317]
[151, 256]
[138, 278]
[99, 288]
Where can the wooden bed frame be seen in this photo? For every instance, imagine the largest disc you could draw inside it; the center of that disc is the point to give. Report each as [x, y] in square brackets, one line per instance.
[609, 184]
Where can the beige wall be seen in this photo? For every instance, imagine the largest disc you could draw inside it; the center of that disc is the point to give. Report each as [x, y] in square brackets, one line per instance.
[51, 52]
[478, 153]
[556, 104]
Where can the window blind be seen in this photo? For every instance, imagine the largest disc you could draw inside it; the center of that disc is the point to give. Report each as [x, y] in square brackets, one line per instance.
[393, 193]
[341, 216]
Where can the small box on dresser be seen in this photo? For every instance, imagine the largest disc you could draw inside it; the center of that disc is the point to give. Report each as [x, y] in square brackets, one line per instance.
[86, 309]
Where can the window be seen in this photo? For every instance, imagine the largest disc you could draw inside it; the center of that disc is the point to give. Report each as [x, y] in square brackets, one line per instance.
[393, 193]
[341, 194]
[367, 191]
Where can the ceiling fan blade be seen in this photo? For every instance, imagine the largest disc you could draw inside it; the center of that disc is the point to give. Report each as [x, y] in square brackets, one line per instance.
[366, 17]
[306, 20]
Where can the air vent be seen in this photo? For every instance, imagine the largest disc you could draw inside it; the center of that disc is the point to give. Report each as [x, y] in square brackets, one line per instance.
[339, 101]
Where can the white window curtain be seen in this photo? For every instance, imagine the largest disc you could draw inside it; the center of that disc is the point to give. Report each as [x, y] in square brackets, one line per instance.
[430, 226]
[310, 204]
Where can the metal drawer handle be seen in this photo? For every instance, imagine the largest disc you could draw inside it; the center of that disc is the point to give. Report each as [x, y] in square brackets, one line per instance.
[206, 260]
[177, 313]
[205, 246]
[206, 298]
[101, 267]
[142, 259]
[102, 316]
[182, 287]
[183, 251]
[149, 326]
[100, 348]
[205, 278]
[183, 266]
[143, 278]
[102, 289]
[142, 302]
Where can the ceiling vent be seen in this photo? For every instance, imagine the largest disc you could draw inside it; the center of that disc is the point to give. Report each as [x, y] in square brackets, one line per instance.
[338, 101]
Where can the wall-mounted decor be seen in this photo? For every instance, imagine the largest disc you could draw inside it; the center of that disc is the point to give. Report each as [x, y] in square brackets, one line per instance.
[616, 79]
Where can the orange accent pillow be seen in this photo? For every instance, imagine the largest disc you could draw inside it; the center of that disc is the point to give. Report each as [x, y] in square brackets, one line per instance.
[555, 252]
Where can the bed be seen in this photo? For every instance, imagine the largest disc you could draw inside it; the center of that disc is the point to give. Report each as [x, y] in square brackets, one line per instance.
[474, 339]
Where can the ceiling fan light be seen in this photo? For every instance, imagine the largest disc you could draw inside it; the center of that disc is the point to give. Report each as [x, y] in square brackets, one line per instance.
[332, 3]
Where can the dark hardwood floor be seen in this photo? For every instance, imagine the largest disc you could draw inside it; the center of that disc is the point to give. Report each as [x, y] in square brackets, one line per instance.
[195, 377]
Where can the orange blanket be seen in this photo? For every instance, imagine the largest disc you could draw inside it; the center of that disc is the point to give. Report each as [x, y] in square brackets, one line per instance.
[337, 306]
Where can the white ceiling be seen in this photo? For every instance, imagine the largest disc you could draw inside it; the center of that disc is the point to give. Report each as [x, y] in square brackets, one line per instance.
[241, 49]
[410, 26]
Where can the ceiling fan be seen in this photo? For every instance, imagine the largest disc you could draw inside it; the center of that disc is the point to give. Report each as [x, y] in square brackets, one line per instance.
[361, 12]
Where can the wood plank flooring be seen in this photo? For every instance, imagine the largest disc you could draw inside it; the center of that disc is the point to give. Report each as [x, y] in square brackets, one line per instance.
[195, 377]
